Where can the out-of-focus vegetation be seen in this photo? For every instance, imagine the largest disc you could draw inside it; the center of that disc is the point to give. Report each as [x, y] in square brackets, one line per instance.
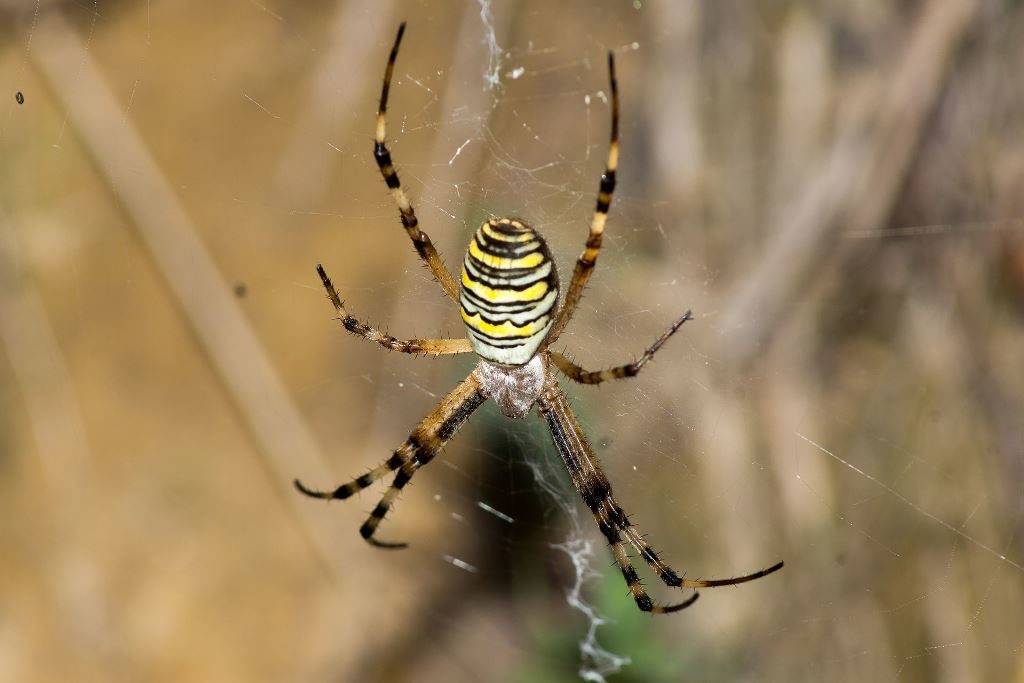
[836, 189]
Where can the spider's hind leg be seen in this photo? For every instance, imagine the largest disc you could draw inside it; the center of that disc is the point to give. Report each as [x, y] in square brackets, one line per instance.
[397, 459]
[659, 567]
[643, 600]
[425, 442]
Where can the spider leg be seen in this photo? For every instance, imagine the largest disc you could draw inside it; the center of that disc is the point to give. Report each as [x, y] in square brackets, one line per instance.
[643, 601]
[425, 442]
[665, 572]
[404, 454]
[596, 491]
[585, 262]
[592, 484]
[578, 374]
[433, 347]
[424, 247]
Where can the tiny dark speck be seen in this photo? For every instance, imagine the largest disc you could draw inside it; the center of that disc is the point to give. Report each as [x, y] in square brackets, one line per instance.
[241, 290]
[19, 97]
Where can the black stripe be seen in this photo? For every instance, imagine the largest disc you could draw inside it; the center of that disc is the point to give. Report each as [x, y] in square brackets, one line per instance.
[381, 154]
[401, 479]
[509, 229]
[501, 341]
[507, 337]
[610, 532]
[561, 440]
[383, 157]
[618, 517]
[501, 307]
[505, 248]
[509, 306]
[409, 221]
[482, 270]
[518, 325]
[498, 252]
[462, 413]
[510, 343]
[629, 574]
[498, 283]
[508, 273]
[607, 182]
[671, 578]
[504, 286]
[595, 490]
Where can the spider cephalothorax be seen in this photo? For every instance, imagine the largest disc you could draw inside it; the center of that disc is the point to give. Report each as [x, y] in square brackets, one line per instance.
[508, 298]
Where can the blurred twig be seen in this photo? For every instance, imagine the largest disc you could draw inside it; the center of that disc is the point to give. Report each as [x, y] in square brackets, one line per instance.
[351, 62]
[42, 375]
[248, 375]
[54, 412]
[854, 186]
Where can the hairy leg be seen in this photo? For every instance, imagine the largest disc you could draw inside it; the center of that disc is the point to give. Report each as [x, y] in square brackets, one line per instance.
[420, 240]
[585, 263]
[596, 491]
[578, 374]
[433, 347]
[426, 441]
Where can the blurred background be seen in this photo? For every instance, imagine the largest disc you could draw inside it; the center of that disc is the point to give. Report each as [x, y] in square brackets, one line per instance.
[836, 189]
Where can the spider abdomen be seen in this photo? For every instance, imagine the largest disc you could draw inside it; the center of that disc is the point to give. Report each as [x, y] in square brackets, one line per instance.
[509, 291]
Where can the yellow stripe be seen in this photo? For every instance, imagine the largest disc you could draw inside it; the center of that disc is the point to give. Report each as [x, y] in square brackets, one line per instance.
[505, 329]
[494, 234]
[504, 296]
[529, 261]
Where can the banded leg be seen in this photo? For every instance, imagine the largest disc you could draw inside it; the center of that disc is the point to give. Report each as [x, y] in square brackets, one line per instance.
[596, 491]
[420, 240]
[578, 374]
[591, 484]
[636, 589]
[585, 263]
[434, 347]
[668, 575]
[425, 442]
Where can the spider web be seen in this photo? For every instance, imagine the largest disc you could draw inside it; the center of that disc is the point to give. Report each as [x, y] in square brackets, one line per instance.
[659, 441]
[861, 424]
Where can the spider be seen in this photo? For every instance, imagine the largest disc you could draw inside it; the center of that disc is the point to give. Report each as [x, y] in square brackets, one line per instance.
[508, 297]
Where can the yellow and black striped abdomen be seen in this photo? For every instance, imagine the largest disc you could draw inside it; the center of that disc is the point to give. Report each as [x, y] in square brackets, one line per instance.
[509, 291]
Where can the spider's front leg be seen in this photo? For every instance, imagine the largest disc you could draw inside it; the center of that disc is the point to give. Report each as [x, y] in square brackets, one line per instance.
[382, 155]
[578, 374]
[433, 347]
[425, 442]
[588, 259]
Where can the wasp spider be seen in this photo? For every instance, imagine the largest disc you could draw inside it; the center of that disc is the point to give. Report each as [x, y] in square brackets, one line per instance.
[508, 296]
